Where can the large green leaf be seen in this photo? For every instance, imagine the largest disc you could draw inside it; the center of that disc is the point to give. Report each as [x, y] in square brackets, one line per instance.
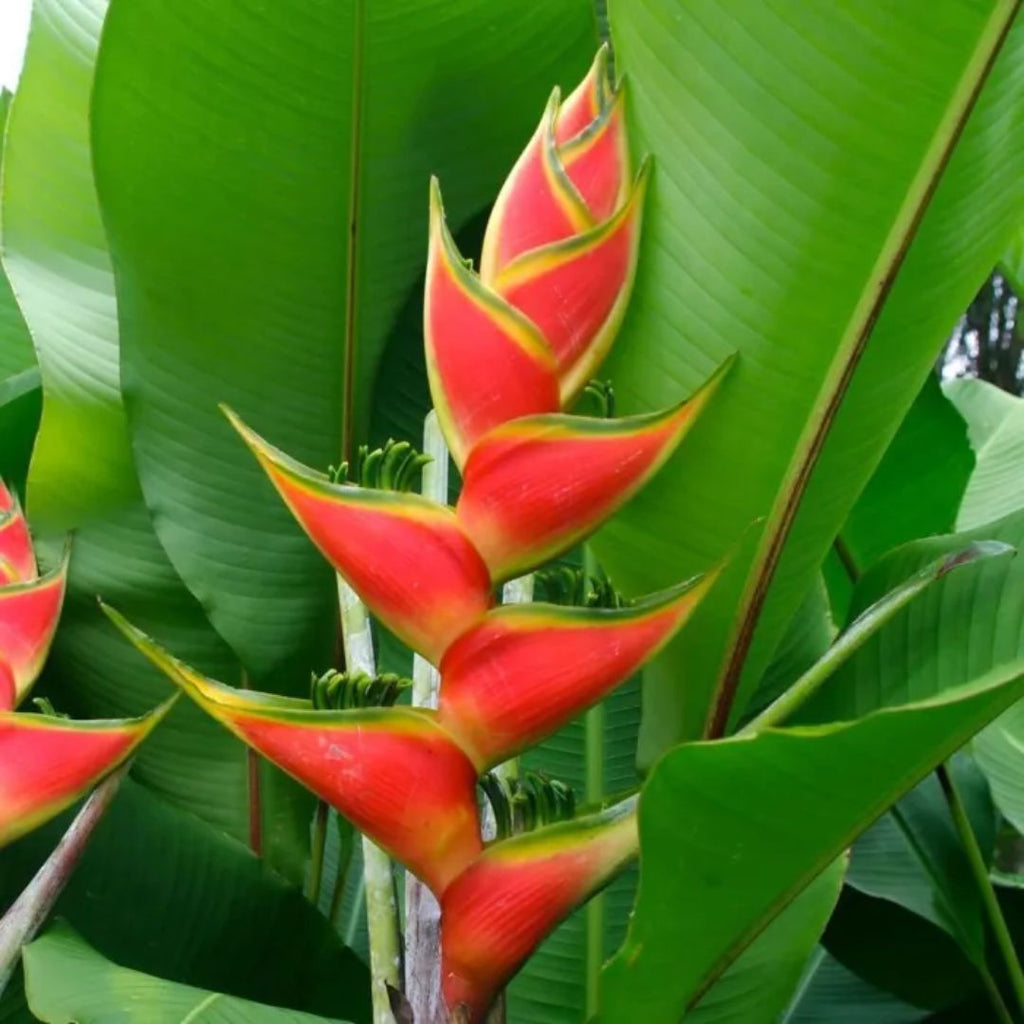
[761, 983]
[56, 257]
[832, 993]
[66, 982]
[982, 405]
[1012, 261]
[917, 487]
[263, 172]
[160, 891]
[1000, 752]
[16, 353]
[82, 475]
[785, 197]
[757, 818]
[996, 486]
[21, 403]
[955, 631]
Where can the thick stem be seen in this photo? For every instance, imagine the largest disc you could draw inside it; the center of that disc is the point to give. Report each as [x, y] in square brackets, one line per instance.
[593, 794]
[422, 912]
[381, 908]
[1000, 931]
[28, 912]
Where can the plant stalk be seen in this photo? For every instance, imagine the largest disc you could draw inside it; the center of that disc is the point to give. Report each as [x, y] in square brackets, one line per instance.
[594, 725]
[378, 879]
[28, 912]
[422, 912]
[318, 845]
[997, 923]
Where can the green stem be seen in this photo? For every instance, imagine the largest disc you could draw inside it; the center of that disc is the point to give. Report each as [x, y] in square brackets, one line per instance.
[378, 879]
[346, 844]
[594, 727]
[1000, 931]
[316, 853]
[422, 913]
[28, 912]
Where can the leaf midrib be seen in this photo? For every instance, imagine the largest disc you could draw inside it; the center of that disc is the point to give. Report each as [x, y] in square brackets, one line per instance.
[853, 342]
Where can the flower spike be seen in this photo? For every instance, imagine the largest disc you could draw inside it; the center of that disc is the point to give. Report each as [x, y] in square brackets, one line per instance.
[576, 290]
[486, 362]
[405, 556]
[597, 160]
[536, 486]
[28, 620]
[588, 100]
[496, 913]
[47, 763]
[393, 772]
[526, 670]
[537, 205]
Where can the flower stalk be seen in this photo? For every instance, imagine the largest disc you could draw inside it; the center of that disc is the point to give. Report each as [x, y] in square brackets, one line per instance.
[422, 911]
[378, 878]
[31, 909]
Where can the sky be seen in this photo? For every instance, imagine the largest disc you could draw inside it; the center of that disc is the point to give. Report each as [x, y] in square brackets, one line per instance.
[13, 29]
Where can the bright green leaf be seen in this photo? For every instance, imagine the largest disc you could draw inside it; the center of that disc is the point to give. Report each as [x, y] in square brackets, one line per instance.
[161, 892]
[796, 792]
[263, 171]
[1000, 752]
[784, 195]
[760, 984]
[66, 982]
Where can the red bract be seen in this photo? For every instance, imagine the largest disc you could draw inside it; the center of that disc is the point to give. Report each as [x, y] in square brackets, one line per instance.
[393, 772]
[46, 763]
[526, 670]
[506, 351]
[503, 906]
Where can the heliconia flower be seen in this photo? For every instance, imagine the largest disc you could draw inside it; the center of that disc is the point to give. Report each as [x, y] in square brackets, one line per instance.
[498, 911]
[536, 486]
[576, 290]
[526, 670]
[486, 363]
[572, 174]
[47, 763]
[406, 557]
[393, 772]
[524, 336]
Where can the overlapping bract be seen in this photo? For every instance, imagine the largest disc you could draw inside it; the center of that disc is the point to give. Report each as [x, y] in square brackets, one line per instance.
[508, 349]
[46, 763]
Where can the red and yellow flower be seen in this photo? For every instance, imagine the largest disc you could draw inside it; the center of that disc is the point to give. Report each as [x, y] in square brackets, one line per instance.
[46, 763]
[508, 349]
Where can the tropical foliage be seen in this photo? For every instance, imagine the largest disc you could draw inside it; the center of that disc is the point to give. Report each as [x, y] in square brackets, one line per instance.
[743, 613]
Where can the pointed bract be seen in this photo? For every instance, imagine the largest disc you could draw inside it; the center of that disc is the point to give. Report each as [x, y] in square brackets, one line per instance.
[486, 363]
[597, 161]
[28, 620]
[496, 913]
[406, 557]
[16, 555]
[538, 485]
[47, 763]
[393, 772]
[587, 101]
[526, 670]
[576, 291]
[537, 205]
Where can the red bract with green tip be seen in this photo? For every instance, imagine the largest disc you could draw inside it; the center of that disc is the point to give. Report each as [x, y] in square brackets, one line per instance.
[538, 485]
[526, 670]
[506, 904]
[406, 557]
[46, 763]
[486, 363]
[394, 772]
